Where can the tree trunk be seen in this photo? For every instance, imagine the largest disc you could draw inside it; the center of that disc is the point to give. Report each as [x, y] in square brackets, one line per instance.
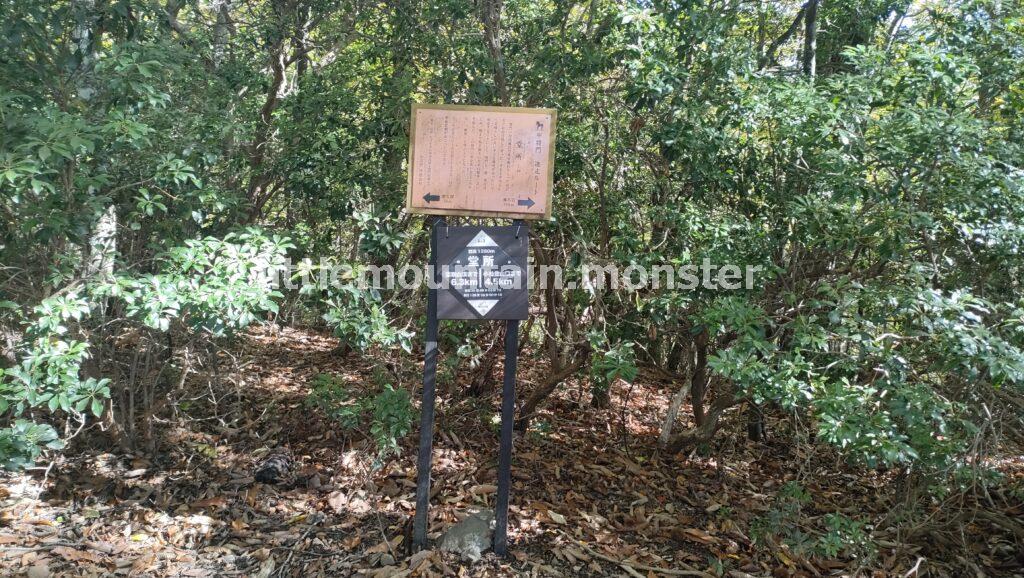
[700, 377]
[259, 178]
[492, 34]
[103, 244]
[221, 29]
[769, 55]
[601, 200]
[673, 413]
[755, 423]
[554, 328]
[704, 432]
[810, 37]
[675, 356]
[545, 389]
[484, 376]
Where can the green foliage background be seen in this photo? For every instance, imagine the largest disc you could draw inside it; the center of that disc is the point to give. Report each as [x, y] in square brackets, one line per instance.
[882, 195]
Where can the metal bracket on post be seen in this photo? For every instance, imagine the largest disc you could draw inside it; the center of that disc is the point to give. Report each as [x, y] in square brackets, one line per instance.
[419, 532]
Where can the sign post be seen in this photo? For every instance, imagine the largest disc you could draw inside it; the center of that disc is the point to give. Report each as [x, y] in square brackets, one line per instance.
[427, 411]
[508, 400]
[481, 162]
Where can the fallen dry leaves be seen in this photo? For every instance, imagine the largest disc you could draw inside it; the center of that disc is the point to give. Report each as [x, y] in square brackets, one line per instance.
[590, 496]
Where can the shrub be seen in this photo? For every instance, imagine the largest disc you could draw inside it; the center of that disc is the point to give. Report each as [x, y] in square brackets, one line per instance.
[841, 536]
[213, 286]
[330, 397]
[22, 443]
[386, 416]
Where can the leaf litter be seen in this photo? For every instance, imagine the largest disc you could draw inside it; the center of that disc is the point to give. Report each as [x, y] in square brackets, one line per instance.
[591, 496]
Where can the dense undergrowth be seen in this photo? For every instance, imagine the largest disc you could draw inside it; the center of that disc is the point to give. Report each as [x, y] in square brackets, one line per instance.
[157, 159]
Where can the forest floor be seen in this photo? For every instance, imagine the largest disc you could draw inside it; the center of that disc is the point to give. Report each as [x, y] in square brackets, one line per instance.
[591, 495]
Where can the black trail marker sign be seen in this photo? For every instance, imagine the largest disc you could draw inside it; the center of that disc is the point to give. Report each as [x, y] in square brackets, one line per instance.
[483, 273]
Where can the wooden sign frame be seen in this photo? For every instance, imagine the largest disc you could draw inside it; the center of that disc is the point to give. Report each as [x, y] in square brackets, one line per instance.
[479, 213]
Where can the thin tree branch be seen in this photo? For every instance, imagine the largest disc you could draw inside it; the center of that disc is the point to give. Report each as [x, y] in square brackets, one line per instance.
[769, 55]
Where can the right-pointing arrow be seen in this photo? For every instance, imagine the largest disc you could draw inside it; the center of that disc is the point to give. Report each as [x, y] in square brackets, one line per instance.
[428, 197]
[527, 202]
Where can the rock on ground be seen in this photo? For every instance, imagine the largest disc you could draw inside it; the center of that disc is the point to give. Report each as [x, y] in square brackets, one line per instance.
[471, 537]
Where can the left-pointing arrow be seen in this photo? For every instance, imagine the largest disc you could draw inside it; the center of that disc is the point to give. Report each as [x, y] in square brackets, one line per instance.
[428, 197]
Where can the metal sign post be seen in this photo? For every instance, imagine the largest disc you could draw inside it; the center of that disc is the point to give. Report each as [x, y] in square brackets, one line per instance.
[419, 531]
[479, 273]
[508, 400]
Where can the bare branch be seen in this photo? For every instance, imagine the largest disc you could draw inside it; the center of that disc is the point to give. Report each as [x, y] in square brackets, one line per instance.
[769, 55]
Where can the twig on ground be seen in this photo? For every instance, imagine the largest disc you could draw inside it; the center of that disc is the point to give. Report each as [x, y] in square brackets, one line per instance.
[313, 523]
[632, 567]
[915, 569]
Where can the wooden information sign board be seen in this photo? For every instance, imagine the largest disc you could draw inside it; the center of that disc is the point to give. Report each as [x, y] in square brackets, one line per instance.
[481, 161]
